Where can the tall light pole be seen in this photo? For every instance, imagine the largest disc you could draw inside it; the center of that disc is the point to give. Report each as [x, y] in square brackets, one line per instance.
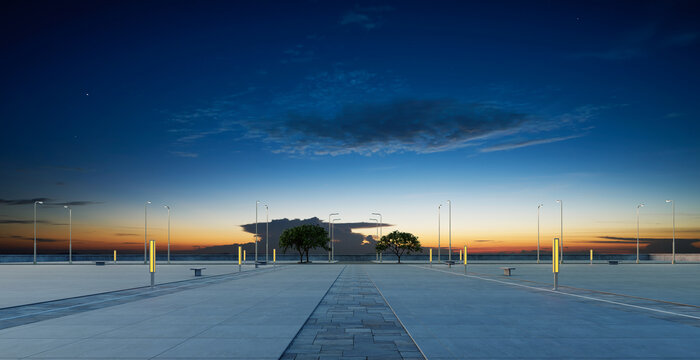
[267, 233]
[168, 207]
[40, 203]
[70, 233]
[329, 234]
[449, 207]
[145, 231]
[256, 232]
[439, 206]
[381, 222]
[561, 231]
[375, 252]
[638, 206]
[673, 211]
[332, 239]
[538, 232]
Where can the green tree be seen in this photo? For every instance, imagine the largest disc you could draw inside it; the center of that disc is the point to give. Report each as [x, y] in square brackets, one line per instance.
[399, 243]
[304, 238]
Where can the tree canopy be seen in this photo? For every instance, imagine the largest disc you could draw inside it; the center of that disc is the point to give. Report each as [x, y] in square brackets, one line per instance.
[399, 243]
[304, 238]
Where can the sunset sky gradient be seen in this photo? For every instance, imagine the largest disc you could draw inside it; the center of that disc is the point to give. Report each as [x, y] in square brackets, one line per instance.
[351, 107]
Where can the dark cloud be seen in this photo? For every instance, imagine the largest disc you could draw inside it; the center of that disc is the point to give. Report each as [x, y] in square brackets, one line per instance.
[125, 234]
[16, 221]
[76, 203]
[655, 245]
[346, 241]
[22, 201]
[414, 125]
[39, 240]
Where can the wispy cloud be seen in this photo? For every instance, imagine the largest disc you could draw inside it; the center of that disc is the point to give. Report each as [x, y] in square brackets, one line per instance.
[366, 17]
[517, 145]
[185, 154]
[125, 234]
[22, 201]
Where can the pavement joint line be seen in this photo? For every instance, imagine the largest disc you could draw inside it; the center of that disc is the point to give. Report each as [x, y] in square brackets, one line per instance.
[596, 291]
[564, 293]
[189, 283]
[397, 316]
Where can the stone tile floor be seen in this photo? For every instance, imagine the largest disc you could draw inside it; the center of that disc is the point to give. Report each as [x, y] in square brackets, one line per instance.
[353, 321]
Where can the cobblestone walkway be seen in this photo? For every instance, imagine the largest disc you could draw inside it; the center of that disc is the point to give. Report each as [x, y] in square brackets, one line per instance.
[352, 322]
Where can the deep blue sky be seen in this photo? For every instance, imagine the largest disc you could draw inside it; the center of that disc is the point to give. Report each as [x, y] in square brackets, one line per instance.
[358, 106]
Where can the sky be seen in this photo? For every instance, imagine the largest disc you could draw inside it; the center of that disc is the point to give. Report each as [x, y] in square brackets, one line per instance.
[315, 107]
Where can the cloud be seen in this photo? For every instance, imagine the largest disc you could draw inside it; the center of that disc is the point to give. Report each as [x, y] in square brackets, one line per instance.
[76, 203]
[22, 201]
[185, 154]
[42, 240]
[655, 245]
[410, 125]
[125, 234]
[517, 145]
[17, 221]
[366, 17]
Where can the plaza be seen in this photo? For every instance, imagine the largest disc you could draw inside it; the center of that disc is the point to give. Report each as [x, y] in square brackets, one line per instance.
[350, 311]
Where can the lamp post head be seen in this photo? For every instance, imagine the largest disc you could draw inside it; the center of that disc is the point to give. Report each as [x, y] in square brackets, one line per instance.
[266, 206]
[559, 201]
[66, 207]
[640, 205]
[148, 202]
[333, 214]
[376, 214]
[668, 201]
[540, 205]
[39, 202]
[166, 206]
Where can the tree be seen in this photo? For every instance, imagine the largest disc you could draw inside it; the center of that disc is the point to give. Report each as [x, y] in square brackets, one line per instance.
[304, 238]
[399, 243]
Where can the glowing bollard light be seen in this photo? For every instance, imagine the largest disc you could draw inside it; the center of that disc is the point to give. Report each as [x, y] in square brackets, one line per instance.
[555, 262]
[431, 258]
[460, 255]
[591, 256]
[115, 256]
[274, 257]
[152, 261]
[465, 259]
[239, 259]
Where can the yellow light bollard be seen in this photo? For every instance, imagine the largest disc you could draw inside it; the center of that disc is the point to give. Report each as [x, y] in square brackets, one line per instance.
[430, 258]
[591, 256]
[465, 259]
[152, 261]
[115, 256]
[239, 259]
[460, 255]
[274, 257]
[555, 262]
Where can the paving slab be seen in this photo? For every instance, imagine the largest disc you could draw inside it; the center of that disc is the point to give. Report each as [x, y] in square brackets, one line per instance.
[457, 317]
[26, 284]
[253, 317]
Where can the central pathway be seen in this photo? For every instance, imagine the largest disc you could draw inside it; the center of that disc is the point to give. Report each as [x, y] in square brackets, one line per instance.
[352, 321]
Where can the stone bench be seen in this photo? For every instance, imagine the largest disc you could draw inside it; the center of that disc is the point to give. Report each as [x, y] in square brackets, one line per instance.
[100, 263]
[613, 262]
[507, 270]
[197, 271]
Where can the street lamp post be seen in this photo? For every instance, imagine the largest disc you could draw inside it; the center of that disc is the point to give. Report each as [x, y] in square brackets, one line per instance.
[256, 232]
[673, 211]
[375, 252]
[267, 234]
[638, 206]
[449, 207]
[538, 232]
[168, 207]
[145, 231]
[439, 206]
[40, 203]
[561, 231]
[381, 222]
[70, 233]
[332, 239]
[329, 233]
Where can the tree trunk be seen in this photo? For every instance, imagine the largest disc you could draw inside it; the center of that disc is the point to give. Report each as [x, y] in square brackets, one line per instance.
[301, 257]
[307, 255]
